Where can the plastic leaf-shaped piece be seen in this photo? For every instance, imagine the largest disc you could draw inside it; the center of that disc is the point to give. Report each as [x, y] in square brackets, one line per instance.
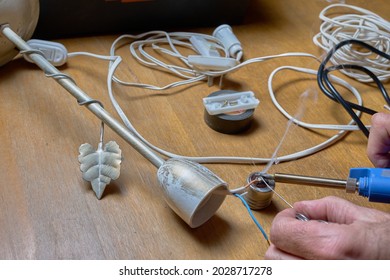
[101, 166]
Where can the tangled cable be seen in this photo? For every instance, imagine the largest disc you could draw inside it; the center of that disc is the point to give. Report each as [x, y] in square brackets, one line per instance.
[330, 91]
[170, 52]
[168, 44]
[177, 47]
[363, 25]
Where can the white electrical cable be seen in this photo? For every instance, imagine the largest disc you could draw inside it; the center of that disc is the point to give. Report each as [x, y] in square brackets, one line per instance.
[250, 160]
[362, 25]
[156, 40]
[160, 41]
[188, 73]
[102, 57]
[167, 44]
[348, 127]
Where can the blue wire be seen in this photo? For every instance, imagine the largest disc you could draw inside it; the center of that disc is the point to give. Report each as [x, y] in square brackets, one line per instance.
[252, 216]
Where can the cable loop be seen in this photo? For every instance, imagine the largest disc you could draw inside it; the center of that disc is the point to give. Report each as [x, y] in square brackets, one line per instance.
[362, 25]
[166, 52]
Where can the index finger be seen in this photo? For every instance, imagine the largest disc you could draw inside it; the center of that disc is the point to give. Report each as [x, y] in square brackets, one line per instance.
[335, 210]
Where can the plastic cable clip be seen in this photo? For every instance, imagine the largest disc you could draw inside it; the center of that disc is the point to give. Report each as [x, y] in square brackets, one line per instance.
[54, 52]
[212, 63]
[230, 102]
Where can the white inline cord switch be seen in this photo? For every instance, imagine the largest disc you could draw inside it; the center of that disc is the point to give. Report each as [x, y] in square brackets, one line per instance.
[212, 63]
[54, 52]
[225, 34]
[203, 47]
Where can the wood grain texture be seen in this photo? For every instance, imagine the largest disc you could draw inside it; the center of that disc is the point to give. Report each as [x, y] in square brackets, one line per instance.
[47, 211]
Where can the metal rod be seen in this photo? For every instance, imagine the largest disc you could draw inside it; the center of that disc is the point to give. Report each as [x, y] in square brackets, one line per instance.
[81, 96]
[308, 180]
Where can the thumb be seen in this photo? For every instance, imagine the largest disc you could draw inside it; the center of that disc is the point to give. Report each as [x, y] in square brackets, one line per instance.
[331, 209]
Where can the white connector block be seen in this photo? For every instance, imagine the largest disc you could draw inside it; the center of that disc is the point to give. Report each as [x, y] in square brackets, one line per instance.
[212, 63]
[231, 102]
[54, 52]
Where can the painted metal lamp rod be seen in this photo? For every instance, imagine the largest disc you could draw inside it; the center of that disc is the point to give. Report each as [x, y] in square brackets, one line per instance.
[81, 96]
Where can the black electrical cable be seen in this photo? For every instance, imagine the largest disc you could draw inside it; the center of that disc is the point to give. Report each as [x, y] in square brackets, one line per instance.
[368, 72]
[346, 106]
[349, 42]
[342, 101]
[326, 91]
[330, 91]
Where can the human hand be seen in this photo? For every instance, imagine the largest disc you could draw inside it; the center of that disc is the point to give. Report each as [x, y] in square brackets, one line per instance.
[352, 232]
[378, 146]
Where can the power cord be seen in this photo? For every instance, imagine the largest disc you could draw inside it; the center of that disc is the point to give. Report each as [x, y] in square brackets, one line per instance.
[213, 50]
[361, 25]
[115, 60]
[330, 91]
[357, 44]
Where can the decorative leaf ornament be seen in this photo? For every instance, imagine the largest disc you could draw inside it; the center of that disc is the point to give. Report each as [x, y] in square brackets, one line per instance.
[101, 166]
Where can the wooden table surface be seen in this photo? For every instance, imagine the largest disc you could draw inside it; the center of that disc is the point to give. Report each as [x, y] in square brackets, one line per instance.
[47, 211]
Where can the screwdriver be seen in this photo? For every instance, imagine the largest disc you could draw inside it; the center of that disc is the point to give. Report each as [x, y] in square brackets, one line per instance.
[373, 183]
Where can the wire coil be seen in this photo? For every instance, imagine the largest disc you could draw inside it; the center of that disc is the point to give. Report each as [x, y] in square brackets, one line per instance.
[362, 25]
[259, 194]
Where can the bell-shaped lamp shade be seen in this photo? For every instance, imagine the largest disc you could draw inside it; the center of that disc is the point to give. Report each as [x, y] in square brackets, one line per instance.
[191, 190]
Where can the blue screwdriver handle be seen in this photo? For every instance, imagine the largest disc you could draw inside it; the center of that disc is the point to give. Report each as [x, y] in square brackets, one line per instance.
[373, 183]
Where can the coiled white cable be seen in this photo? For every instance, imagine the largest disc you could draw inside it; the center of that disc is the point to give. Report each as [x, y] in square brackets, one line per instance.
[362, 25]
[168, 44]
[349, 126]
[250, 160]
[157, 40]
